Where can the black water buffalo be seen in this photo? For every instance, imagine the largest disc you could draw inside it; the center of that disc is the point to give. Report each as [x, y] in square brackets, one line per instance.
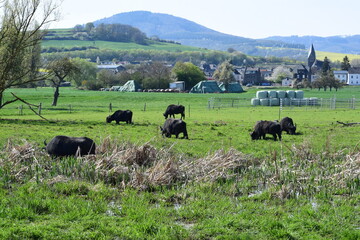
[174, 127]
[266, 127]
[173, 109]
[287, 125]
[120, 116]
[61, 146]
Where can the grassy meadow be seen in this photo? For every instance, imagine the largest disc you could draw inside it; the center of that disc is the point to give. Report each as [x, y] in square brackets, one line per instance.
[335, 56]
[162, 46]
[217, 185]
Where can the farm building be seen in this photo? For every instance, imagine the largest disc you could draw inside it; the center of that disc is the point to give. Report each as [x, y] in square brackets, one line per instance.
[180, 85]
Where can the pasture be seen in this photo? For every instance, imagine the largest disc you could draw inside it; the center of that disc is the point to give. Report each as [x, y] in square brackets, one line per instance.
[221, 184]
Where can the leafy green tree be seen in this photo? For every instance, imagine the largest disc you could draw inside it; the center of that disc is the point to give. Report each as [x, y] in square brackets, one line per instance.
[60, 69]
[87, 71]
[225, 73]
[345, 64]
[327, 78]
[187, 72]
[89, 27]
[326, 65]
[22, 29]
[108, 78]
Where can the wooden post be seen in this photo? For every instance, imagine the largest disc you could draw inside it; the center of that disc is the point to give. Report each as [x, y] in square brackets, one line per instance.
[144, 107]
[39, 110]
[69, 108]
[21, 110]
[189, 110]
[110, 107]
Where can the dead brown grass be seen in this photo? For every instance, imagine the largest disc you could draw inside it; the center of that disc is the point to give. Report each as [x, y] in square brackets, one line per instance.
[124, 164]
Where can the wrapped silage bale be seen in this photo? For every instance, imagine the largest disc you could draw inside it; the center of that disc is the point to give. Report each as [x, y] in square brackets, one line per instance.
[290, 93]
[255, 101]
[313, 101]
[281, 94]
[286, 101]
[295, 102]
[272, 94]
[261, 94]
[274, 102]
[264, 102]
[305, 101]
[299, 94]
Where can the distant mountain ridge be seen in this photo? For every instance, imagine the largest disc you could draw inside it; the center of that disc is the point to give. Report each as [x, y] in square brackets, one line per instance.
[339, 44]
[186, 32]
[189, 33]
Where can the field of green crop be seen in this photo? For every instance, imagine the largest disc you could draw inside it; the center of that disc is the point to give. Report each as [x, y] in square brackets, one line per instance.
[219, 184]
[118, 45]
[335, 56]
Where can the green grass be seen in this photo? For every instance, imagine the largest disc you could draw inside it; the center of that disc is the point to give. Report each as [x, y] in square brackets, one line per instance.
[209, 130]
[119, 45]
[304, 187]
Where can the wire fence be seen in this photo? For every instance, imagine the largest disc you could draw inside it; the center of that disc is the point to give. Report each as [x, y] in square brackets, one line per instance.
[322, 103]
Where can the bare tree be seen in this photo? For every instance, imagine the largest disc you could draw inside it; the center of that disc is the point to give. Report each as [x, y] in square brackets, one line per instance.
[355, 62]
[61, 69]
[22, 27]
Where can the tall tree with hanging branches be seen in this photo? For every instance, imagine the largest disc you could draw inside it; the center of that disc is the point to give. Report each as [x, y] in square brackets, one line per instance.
[22, 27]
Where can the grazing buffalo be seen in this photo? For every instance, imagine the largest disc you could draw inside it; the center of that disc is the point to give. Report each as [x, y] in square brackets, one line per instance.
[287, 125]
[172, 109]
[266, 127]
[120, 116]
[61, 146]
[174, 127]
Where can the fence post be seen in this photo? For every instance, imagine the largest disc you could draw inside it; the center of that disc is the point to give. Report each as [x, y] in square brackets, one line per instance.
[280, 108]
[39, 110]
[189, 110]
[145, 107]
[110, 107]
[21, 110]
[69, 108]
[353, 103]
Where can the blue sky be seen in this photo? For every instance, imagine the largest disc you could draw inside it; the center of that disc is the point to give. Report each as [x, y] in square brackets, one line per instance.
[245, 18]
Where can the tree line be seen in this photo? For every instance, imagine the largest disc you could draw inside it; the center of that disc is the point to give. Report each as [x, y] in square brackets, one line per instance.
[103, 32]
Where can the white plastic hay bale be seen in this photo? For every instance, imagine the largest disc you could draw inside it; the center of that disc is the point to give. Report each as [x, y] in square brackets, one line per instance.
[281, 94]
[274, 102]
[255, 101]
[264, 102]
[295, 102]
[261, 94]
[290, 93]
[272, 94]
[286, 101]
[313, 101]
[305, 101]
[299, 94]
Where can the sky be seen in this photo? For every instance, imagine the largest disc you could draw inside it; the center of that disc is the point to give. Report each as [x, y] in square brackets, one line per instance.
[244, 18]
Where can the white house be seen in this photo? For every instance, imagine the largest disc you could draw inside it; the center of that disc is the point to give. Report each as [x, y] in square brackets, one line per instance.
[354, 76]
[342, 76]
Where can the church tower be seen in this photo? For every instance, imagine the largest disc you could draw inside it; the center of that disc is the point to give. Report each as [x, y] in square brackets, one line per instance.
[311, 56]
[311, 61]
